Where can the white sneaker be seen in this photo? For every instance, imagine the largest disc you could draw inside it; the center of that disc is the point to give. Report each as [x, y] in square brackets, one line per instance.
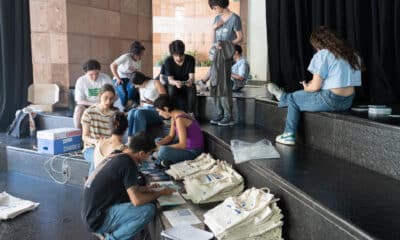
[98, 236]
[286, 138]
[275, 90]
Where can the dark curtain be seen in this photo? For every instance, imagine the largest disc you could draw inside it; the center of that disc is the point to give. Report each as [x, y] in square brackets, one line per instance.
[15, 58]
[372, 27]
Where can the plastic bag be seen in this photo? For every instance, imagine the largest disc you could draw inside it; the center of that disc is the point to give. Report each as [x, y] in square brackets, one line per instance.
[245, 151]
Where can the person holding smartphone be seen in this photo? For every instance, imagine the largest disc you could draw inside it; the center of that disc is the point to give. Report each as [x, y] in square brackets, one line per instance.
[179, 68]
[336, 69]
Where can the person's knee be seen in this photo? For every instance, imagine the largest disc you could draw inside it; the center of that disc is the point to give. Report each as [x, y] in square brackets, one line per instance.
[78, 112]
[291, 100]
[79, 109]
[140, 115]
[163, 153]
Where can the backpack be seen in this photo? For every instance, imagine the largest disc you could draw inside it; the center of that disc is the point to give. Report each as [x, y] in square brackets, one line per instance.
[19, 128]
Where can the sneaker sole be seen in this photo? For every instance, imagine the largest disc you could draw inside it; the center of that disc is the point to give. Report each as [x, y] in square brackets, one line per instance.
[285, 142]
[226, 124]
[214, 122]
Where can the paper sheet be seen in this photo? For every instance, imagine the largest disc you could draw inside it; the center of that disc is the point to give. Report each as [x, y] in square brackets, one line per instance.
[186, 232]
[181, 217]
[171, 200]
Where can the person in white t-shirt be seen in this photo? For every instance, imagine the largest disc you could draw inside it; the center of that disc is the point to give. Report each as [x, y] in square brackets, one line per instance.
[123, 68]
[87, 88]
[145, 115]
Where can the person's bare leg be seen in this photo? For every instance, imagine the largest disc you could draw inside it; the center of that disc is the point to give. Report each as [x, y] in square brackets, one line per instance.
[78, 112]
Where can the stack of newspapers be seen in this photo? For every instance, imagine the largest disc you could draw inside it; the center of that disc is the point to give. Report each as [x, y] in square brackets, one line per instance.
[252, 215]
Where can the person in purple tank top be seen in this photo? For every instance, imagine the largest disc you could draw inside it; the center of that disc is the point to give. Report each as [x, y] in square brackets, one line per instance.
[185, 138]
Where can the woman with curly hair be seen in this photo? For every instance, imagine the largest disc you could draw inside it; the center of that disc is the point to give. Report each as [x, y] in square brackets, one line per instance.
[336, 69]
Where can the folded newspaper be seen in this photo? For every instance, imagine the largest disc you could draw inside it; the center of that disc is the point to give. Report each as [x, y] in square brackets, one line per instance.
[11, 206]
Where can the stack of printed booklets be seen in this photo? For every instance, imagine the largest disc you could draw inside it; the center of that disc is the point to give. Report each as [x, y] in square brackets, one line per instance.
[213, 185]
[252, 215]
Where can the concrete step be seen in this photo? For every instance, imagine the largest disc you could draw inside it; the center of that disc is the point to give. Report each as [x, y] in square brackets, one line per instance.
[243, 104]
[370, 144]
[322, 196]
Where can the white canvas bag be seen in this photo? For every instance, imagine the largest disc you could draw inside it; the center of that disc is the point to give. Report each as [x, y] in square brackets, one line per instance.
[206, 185]
[235, 210]
[186, 168]
[255, 226]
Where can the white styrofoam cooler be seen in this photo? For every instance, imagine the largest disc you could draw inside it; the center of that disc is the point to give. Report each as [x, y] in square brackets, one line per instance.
[59, 140]
[43, 96]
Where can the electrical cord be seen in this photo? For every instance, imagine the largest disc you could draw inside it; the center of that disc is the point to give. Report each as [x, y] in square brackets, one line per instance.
[48, 166]
[50, 169]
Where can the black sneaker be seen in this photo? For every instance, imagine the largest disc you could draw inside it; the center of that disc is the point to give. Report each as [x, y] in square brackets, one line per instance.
[216, 120]
[226, 122]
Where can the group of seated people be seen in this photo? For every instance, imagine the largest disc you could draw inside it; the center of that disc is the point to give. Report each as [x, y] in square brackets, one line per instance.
[176, 79]
[132, 102]
[113, 175]
[102, 104]
[114, 205]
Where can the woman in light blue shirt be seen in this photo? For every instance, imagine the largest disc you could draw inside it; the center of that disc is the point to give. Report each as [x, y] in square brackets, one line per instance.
[336, 70]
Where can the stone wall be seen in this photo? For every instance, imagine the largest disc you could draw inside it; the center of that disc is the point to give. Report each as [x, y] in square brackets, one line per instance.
[66, 33]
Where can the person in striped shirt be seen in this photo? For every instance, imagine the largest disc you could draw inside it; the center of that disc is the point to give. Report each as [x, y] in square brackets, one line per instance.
[97, 121]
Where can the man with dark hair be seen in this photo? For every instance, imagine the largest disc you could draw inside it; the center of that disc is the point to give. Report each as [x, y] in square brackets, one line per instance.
[240, 70]
[114, 206]
[87, 88]
[220, 3]
[179, 67]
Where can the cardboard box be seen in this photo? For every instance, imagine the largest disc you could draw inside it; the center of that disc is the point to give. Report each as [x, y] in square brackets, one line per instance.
[59, 140]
